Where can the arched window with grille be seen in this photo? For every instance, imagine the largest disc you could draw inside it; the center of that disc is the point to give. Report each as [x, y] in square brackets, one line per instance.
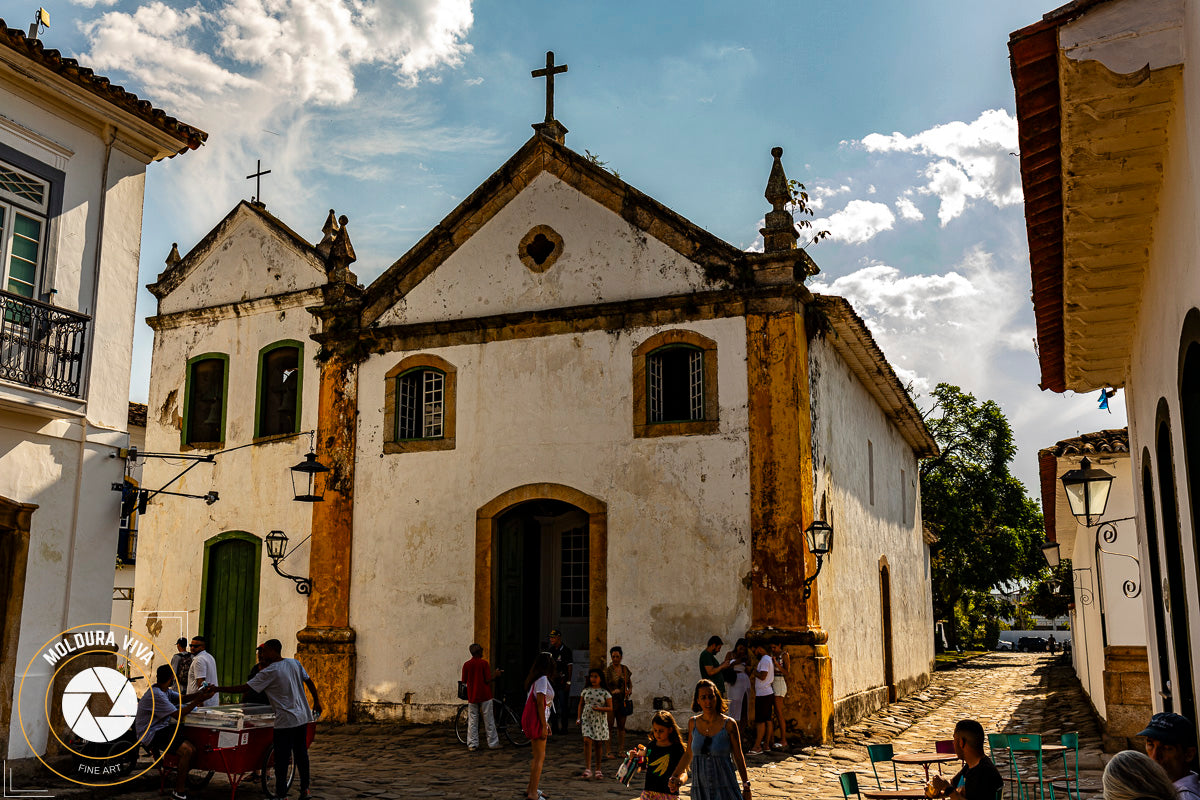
[204, 400]
[675, 385]
[419, 399]
[280, 381]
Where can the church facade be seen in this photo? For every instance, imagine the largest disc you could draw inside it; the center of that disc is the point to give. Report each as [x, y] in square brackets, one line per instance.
[565, 407]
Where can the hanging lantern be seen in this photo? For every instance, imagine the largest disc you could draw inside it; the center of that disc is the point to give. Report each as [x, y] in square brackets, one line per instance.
[1087, 491]
[304, 477]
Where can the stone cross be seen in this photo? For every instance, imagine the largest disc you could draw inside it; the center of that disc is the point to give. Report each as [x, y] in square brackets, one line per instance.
[257, 181]
[548, 73]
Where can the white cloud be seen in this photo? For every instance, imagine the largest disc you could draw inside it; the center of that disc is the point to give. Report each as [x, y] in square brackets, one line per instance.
[970, 161]
[819, 194]
[858, 222]
[908, 209]
[950, 327]
[474, 81]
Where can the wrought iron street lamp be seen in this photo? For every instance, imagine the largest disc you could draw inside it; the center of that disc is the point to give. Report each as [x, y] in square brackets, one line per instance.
[1050, 551]
[277, 542]
[819, 537]
[1087, 490]
[304, 477]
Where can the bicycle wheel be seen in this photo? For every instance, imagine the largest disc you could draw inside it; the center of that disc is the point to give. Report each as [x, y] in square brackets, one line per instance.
[460, 724]
[507, 720]
[267, 772]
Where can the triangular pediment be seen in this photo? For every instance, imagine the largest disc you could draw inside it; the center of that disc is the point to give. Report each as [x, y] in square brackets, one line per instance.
[614, 243]
[250, 254]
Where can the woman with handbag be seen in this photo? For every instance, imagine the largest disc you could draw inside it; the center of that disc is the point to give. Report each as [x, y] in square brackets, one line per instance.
[620, 683]
[535, 719]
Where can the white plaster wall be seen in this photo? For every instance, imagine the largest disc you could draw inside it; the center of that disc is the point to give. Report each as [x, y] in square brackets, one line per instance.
[65, 465]
[1169, 290]
[604, 259]
[554, 409]
[253, 260]
[845, 417]
[254, 483]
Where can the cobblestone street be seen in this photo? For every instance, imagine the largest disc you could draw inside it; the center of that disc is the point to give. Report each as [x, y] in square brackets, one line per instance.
[1006, 692]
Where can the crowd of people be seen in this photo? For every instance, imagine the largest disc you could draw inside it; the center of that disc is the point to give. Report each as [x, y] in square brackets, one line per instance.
[274, 680]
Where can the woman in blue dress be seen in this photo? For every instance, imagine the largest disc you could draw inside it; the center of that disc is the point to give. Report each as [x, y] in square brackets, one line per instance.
[713, 748]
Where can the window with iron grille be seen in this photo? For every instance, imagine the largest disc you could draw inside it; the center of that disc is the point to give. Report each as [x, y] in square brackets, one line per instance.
[279, 390]
[573, 588]
[205, 400]
[675, 384]
[420, 404]
[24, 201]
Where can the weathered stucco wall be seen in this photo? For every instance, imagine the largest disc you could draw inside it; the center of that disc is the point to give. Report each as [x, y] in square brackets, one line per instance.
[254, 483]
[603, 259]
[845, 419]
[554, 409]
[57, 451]
[1169, 291]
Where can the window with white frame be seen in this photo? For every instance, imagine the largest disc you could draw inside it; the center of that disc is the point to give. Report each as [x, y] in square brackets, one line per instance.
[24, 203]
[675, 384]
[420, 404]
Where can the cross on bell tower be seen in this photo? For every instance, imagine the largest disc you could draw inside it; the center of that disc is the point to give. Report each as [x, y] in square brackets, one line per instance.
[551, 128]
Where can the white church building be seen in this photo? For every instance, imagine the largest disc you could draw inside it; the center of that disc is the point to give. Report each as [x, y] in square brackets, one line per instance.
[565, 407]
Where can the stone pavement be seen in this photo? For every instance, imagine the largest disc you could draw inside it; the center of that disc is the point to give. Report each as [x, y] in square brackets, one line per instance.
[1006, 692]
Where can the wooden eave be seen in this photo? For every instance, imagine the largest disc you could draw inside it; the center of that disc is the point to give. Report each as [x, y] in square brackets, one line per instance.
[31, 61]
[170, 278]
[1092, 146]
[724, 265]
[854, 343]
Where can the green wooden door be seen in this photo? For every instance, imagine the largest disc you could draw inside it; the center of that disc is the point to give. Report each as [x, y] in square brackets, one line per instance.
[229, 610]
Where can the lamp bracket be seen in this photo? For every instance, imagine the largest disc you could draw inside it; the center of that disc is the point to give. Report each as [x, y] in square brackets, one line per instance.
[808, 582]
[304, 586]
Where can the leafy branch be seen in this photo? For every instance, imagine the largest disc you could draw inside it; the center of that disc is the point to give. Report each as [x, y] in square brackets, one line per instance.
[802, 212]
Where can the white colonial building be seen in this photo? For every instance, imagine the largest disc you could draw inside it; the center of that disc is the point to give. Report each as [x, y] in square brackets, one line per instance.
[566, 406]
[73, 155]
[1107, 100]
[1108, 624]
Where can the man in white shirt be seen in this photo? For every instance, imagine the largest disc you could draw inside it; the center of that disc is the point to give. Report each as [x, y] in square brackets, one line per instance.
[283, 681]
[764, 699]
[1171, 741]
[157, 723]
[203, 669]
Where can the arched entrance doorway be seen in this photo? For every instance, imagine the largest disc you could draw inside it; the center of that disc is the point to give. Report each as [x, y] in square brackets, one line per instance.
[229, 601]
[1156, 582]
[541, 563]
[1177, 598]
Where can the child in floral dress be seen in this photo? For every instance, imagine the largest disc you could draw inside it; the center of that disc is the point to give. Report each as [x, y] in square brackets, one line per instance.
[594, 704]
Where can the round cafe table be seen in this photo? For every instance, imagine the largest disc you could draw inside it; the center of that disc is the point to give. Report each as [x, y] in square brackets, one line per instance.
[924, 759]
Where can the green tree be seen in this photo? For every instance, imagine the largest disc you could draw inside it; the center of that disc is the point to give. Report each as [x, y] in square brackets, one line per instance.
[989, 530]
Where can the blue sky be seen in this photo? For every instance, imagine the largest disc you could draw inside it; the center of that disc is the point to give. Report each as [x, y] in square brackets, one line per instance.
[897, 116]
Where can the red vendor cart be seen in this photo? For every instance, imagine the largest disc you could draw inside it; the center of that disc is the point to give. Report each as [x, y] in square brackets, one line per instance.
[236, 739]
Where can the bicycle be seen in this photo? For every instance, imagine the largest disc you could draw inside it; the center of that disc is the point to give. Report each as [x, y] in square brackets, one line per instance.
[508, 723]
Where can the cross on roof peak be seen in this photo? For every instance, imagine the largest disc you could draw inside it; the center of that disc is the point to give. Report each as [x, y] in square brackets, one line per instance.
[257, 176]
[548, 73]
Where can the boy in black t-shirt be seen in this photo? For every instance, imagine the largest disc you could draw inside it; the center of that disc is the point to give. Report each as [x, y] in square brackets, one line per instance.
[978, 779]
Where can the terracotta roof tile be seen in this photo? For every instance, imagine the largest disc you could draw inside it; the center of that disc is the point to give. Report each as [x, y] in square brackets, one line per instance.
[70, 69]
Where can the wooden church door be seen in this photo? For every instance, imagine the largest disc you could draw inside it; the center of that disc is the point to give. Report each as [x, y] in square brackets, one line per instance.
[516, 635]
[229, 606]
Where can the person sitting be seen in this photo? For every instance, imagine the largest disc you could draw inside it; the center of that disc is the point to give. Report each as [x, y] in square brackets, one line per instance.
[1130, 775]
[1171, 743]
[978, 779]
[158, 723]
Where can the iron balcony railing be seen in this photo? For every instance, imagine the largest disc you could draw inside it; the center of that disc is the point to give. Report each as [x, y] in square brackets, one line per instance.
[41, 345]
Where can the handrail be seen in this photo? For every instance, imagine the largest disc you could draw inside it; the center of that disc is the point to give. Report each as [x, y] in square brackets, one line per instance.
[42, 346]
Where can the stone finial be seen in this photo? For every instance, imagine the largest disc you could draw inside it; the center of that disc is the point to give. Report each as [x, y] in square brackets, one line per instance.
[173, 257]
[780, 230]
[341, 255]
[329, 231]
[552, 130]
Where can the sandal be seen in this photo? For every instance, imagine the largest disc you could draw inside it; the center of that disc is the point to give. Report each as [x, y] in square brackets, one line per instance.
[587, 774]
[599, 775]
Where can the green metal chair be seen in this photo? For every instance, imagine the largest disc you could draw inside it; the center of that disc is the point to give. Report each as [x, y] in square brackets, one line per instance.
[1030, 743]
[1071, 742]
[999, 742]
[882, 752]
[849, 781]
